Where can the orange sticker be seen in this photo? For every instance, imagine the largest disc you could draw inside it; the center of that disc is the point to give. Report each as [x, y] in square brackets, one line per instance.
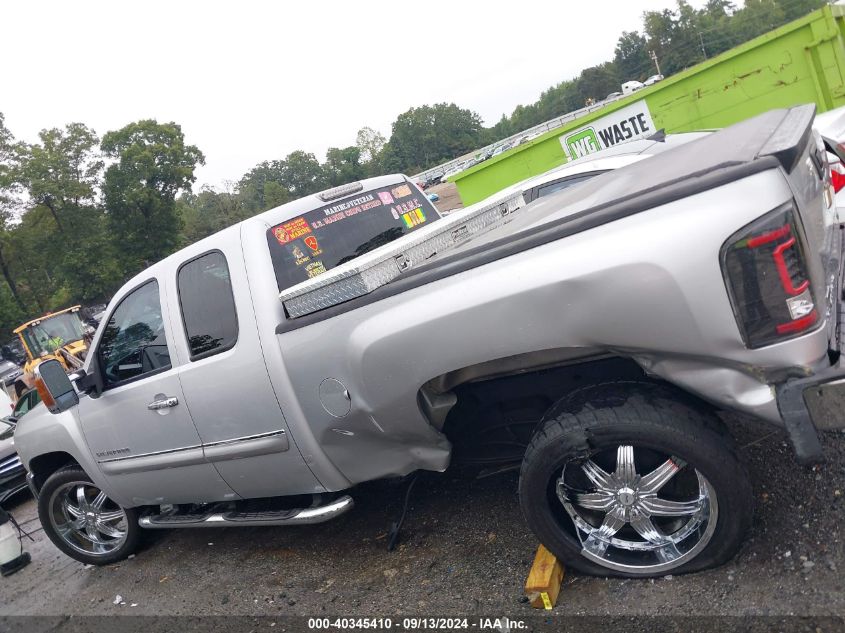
[401, 191]
[291, 230]
[311, 242]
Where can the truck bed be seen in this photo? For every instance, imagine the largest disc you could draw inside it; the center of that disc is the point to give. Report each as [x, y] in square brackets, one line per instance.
[771, 140]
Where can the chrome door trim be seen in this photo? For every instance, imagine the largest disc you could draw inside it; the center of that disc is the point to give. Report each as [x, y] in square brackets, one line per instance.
[175, 458]
[150, 454]
[245, 438]
[234, 448]
[247, 446]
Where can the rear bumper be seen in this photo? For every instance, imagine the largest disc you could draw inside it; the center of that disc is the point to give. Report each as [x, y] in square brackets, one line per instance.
[816, 402]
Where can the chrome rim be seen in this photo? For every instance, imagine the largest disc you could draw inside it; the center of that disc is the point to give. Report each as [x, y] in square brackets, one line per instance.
[636, 523]
[86, 519]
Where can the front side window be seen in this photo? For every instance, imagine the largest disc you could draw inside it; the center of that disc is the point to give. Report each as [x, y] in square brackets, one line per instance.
[208, 305]
[134, 343]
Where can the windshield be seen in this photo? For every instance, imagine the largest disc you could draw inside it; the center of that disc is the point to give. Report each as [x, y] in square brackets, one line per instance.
[52, 333]
[317, 241]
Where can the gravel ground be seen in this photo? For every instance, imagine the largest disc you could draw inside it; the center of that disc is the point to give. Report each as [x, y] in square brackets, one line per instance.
[465, 551]
[449, 198]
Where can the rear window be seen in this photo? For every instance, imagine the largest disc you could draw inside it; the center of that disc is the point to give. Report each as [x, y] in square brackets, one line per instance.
[317, 241]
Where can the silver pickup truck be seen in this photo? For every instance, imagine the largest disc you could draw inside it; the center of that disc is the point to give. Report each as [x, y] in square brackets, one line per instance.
[255, 377]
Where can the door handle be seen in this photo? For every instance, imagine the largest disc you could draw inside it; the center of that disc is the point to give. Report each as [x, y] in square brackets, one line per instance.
[164, 403]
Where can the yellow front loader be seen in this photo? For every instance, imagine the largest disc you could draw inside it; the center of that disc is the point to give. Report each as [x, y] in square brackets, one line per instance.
[59, 335]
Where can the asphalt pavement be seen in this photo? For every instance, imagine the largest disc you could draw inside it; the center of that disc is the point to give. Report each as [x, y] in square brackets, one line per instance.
[465, 550]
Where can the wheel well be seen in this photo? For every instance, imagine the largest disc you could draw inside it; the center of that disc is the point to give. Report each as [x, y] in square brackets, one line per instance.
[45, 465]
[493, 420]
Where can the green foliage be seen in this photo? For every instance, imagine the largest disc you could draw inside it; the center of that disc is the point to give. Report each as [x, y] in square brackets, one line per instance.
[631, 56]
[425, 136]
[153, 164]
[343, 165]
[370, 143]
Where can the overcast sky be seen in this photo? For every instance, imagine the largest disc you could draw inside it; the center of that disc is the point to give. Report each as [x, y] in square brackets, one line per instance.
[251, 81]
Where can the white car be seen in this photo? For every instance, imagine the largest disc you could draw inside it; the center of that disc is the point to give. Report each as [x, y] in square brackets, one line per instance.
[653, 80]
[831, 125]
[630, 87]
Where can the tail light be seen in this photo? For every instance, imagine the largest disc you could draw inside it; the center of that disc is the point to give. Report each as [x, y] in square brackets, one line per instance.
[767, 278]
[837, 176]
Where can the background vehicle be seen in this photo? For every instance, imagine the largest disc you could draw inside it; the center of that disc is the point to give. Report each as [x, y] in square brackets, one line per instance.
[630, 87]
[59, 335]
[12, 473]
[25, 403]
[9, 372]
[603, 326]
[653, 80]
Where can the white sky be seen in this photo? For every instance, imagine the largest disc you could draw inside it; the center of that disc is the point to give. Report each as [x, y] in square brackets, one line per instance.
[251, 81]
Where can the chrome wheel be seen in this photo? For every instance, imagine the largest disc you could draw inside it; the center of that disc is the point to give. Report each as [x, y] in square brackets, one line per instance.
[626, 521]
[86, 519]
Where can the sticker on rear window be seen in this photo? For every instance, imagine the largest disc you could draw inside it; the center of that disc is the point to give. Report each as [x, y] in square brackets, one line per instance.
[413, 218]
[315, 268]
[289, 231]
[401, 191]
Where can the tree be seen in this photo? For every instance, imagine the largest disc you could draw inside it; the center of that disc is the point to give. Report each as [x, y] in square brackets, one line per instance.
[343, 166]
[599, 81]
[631, 56]
[62, 172]
[425, 136]
[370, 143]
[302, 174]
[210, 211]
[9, 204]
[68, 258]
[262, 187]
[153, 165]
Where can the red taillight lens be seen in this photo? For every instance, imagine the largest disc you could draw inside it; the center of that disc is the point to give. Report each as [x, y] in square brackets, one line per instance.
[768, 281]
[837, 176]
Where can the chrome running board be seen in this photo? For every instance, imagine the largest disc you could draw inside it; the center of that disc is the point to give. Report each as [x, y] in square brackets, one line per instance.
[233, 518]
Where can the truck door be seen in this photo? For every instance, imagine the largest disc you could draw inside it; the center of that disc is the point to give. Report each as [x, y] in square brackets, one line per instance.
[139, 429]
[225, 380]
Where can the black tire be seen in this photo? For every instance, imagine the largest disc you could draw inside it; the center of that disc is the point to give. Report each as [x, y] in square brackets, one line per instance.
[645, 415]
[69, 475]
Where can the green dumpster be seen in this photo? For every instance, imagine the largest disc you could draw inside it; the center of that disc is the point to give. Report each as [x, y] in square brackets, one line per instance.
[800, 62]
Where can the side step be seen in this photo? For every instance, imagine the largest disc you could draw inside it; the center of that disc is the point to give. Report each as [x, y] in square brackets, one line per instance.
[235, 518]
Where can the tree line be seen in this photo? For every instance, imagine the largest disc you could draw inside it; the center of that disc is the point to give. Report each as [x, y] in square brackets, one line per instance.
[80, 214]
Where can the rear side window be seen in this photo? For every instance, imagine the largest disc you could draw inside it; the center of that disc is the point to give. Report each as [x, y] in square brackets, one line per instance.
[317, 241]
[208, 305]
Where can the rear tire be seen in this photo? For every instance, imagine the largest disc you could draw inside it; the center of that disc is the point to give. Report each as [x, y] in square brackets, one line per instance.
[83, 522]
[662, 464]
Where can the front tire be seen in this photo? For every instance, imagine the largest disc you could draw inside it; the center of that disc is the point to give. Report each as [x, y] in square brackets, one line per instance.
[627, 481]
[83, 522]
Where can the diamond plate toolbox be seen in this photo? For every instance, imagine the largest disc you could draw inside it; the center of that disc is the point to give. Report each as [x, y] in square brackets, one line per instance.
[386, 263]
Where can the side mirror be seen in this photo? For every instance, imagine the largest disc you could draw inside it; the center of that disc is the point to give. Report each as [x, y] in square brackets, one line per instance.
[88, 382]
[54, 387]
